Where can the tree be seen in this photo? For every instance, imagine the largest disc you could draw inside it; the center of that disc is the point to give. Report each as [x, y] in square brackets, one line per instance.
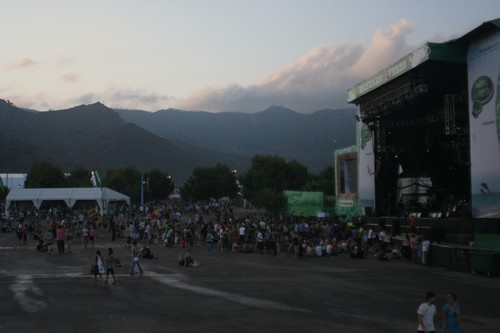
[45, 175]
[125, 180]
[159, 184]
[324, 182]
[210, 182]
[268, 176]
[79, 178]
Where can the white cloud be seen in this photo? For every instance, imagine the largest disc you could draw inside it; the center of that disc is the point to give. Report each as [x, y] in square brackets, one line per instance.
[318, 80]
[125, 98]
[386, 47]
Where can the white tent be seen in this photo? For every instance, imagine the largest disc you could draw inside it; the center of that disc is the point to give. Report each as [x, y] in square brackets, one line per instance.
[102, 196]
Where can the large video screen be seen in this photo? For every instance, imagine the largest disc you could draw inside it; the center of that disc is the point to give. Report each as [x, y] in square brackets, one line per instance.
[347, 175]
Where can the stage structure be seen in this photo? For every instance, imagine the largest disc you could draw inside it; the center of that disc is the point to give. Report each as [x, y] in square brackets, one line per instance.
[428, 131]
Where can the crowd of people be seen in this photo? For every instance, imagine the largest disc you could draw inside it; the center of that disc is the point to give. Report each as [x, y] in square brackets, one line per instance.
[174, 223]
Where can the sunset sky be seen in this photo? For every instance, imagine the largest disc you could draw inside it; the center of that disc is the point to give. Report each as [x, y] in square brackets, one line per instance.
[220, 55]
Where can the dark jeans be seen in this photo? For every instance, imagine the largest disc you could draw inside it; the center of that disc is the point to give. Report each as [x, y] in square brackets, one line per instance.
[60, 246]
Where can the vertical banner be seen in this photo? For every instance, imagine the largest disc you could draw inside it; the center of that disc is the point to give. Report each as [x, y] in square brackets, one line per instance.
[483, 62]
[367, 167]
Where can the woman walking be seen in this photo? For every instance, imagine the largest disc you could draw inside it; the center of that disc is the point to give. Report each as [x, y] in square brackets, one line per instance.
[110, 264]
[135, 259]
[98, 267]
[451, 314]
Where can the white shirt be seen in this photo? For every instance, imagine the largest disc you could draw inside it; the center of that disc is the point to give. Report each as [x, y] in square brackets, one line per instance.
[427, 312]
[319, 250]
[242, 231]
[426, 244]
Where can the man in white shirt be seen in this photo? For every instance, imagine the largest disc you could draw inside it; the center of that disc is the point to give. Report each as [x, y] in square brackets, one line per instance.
[426, 245]
[241, 233]
[425, 314]
[318, 250]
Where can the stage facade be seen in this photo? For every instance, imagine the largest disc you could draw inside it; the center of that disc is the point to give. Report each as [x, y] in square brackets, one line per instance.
[428, 133]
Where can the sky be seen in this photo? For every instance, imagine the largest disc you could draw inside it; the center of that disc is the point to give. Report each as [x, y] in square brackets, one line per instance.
[216, 56]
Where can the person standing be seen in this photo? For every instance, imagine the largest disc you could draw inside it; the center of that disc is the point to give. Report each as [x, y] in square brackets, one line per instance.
[406, 252]
[413, 224]
[92, 235]
[85, 233]
[20, 228]
[451, 314]
[60, 235]
[414, 248]
[49, 239]
[25, 233]
[69, 236]
[241, 233]
[135, 259]
[110, 264]
[426, 245]
[425, 314]
[210, 243]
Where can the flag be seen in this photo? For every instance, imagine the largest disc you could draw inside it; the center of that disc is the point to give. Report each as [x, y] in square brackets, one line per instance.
[91, 213]
[99, 179]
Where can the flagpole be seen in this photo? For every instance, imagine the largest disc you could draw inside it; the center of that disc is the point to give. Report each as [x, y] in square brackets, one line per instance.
[142, 190]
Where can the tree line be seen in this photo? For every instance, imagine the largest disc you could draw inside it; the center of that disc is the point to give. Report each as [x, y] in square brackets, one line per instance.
[262, 184]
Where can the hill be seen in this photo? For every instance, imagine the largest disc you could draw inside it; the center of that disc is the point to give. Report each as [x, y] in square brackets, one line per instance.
[311, 139]
[95, 137]
[174, 141]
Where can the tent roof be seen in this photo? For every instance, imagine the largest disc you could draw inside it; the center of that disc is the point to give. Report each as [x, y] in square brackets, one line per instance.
[69, 195]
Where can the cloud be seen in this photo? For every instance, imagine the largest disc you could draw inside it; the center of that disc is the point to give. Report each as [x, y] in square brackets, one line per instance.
[125, 98]
[21, 63]
[386, 47]
[318, 80]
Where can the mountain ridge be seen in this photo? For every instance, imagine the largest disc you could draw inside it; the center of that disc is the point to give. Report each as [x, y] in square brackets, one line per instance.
[97, 137]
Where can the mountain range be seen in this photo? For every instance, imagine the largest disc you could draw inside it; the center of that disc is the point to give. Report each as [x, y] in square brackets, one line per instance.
[174, 141]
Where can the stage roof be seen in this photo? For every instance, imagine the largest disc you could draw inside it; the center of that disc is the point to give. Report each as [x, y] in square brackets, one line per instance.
[427, 52]
[451, 51]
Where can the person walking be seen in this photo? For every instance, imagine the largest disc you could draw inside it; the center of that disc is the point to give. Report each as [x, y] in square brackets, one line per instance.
[425, 314]
[451, 314]
[98, 267]
[135, 259]
[60, 236]
[110, 264]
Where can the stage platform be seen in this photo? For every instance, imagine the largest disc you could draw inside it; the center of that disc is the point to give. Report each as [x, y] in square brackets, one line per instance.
[452, 239]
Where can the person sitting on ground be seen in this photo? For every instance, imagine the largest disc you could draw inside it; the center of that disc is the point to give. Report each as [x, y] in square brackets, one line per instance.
[310, 250]
[328, 248]
[147, 254]
[41, 247]
[235, 247]
[186, 260]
